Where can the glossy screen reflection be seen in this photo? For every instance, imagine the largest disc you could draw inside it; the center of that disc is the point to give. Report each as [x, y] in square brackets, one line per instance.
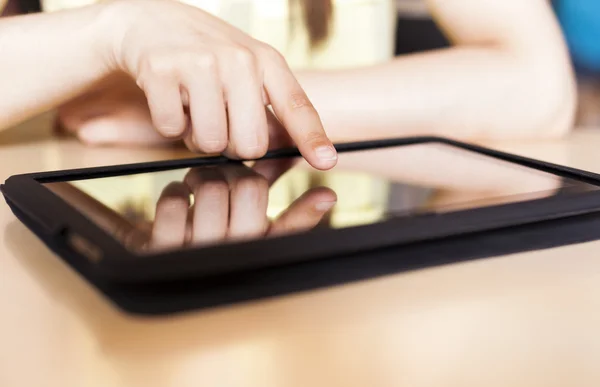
[219, 204]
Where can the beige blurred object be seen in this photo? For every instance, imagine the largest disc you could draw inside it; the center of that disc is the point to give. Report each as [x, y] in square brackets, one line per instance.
[529, 319]
[362, 33]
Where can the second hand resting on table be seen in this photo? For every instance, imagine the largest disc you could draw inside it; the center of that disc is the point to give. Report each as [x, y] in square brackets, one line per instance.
[137, 65]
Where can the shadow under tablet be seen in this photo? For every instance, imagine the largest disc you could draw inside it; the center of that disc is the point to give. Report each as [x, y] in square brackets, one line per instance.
[182, 296]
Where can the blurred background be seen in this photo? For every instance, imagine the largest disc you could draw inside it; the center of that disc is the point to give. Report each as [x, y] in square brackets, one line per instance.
[415, 32]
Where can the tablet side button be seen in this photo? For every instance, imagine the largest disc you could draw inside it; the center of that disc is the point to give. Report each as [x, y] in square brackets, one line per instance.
[83, 246]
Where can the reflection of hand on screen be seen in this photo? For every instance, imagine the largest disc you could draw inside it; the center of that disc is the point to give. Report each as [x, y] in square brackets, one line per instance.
[209, 205]
[229, 203]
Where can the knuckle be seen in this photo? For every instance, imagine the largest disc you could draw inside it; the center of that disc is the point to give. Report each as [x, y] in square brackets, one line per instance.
[314, 138]
[243, 56]
[272, 55]
[158, 65]
[299, 100]
[204, 60]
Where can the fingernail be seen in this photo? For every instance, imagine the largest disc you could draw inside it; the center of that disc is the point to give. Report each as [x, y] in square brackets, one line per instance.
[324, 206]
[326, 153]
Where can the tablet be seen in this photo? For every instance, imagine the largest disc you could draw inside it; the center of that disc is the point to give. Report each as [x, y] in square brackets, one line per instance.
[212, 216]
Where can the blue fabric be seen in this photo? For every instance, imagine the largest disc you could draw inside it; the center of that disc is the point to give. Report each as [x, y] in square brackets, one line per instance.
[580, 20]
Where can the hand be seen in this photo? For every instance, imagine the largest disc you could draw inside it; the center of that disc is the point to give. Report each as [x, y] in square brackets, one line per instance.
[115, 112]
[209, 83]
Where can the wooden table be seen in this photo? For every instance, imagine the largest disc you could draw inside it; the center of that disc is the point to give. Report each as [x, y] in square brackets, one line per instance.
[523, 320]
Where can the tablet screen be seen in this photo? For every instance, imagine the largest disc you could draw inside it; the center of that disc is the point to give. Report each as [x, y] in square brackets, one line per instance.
[225, 203]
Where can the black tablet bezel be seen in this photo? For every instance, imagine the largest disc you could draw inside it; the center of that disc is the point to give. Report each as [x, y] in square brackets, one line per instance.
[57, 222]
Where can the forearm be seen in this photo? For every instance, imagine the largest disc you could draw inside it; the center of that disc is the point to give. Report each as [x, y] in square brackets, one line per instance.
[464, 92]
[46, 59]
[508, 75]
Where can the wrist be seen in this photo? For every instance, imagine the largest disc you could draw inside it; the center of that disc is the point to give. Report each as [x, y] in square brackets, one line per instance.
[109, 28]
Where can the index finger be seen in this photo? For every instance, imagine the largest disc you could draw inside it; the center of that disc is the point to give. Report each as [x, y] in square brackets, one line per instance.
[299, 117]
